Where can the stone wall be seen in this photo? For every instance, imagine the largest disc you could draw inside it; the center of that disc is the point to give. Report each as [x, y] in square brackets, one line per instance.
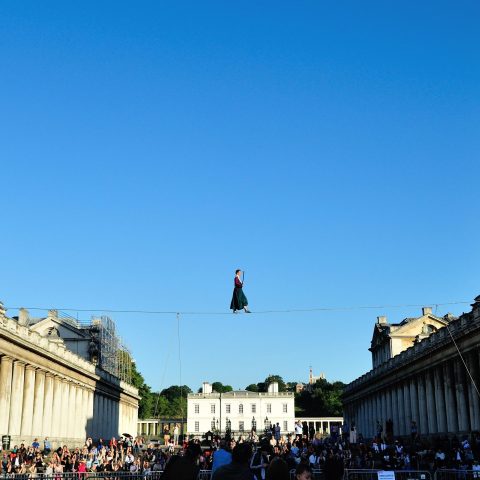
[48, 391]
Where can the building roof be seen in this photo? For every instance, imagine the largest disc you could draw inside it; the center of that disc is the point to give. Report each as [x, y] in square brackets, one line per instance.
[242, 394]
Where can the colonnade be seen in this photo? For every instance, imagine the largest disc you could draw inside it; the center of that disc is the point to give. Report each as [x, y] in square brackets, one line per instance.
[35, 402]
[154, 427]
[429, 385]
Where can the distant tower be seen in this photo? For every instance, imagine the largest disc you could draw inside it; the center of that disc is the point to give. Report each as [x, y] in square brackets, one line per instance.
[310, 376]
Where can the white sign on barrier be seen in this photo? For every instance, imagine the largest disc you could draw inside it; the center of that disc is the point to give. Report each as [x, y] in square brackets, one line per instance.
[386, 475]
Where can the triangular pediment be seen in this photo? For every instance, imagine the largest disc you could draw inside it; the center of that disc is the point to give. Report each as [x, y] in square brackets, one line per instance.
[411, 327]
[47, 326]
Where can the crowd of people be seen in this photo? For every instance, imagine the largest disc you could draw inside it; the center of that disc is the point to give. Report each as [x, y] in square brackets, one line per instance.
[271, 456]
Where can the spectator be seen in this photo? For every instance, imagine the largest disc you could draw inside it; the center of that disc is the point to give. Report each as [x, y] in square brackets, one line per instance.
[259, 462]
[303, 472]
[278, 470]
[184, 467]
[221, 457]
[47, 446]
[239, 468]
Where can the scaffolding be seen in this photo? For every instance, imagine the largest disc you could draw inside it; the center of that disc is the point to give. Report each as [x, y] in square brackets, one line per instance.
[108, 349]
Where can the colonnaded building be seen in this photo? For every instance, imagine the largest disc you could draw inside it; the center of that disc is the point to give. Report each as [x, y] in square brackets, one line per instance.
[63, 380]
[239, 411]
[418, 374]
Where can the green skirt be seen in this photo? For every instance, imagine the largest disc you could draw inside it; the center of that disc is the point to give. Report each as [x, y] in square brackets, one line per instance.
[239, 300]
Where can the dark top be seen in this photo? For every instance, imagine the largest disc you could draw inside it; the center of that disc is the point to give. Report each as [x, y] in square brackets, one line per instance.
[233, 471]
[180, 468]
[238, 283]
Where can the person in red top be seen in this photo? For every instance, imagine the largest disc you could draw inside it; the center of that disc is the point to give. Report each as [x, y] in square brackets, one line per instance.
[239, 300]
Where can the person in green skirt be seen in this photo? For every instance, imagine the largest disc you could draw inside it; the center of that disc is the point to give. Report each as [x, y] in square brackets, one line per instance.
[239, 300]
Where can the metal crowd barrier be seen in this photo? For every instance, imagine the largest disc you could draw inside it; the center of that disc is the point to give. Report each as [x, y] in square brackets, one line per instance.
[442, 474]
[399, 475]
[156, 475]
[316, 475]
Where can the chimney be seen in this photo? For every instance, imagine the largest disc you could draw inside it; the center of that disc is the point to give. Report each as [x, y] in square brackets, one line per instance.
[206, 388]
[382, 320]
[273, 387]
[426, 311]
[23, 317]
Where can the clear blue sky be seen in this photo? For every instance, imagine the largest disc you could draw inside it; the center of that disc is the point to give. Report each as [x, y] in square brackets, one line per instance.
[329, 148]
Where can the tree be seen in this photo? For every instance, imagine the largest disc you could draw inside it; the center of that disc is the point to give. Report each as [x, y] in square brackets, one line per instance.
[253, 387]
[145, 405]
[323, 399]
[263, 386]
[175, 391]
[291, 386]
[219, 387]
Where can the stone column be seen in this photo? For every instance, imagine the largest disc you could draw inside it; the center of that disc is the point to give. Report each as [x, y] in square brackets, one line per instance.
[439, 400]
[78, 420]
[39, 397]
[371, 415]
[362, 416]
[28, 397]
[474, 401]
[414, 400]
[64, 415]
[90, 418]
[16, 401]
[383, 414]
[432, 412]
[422, 405]
[401, 410]
[6, 373]
[377, 413]
[395, 416]
[449, 394]
[84, 412]
[108, 416]
[407, 406]
[461, 397]
[388, 394]
[71, 414]
[48, 405]
[101, 417]
[116, 417]
[56, 429]
[95, 430]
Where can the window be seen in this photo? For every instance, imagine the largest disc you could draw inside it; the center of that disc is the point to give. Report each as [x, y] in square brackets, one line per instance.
[212, 408]
[254, 408]
[269, 408]
[285, 426]
[285, 409]
[212, 425]
[227, 408]
[240, 408]
[241, 426]
[197, 426]
[197, 408]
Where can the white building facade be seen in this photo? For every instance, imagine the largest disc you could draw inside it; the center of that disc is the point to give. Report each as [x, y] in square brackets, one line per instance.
[239, 411]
